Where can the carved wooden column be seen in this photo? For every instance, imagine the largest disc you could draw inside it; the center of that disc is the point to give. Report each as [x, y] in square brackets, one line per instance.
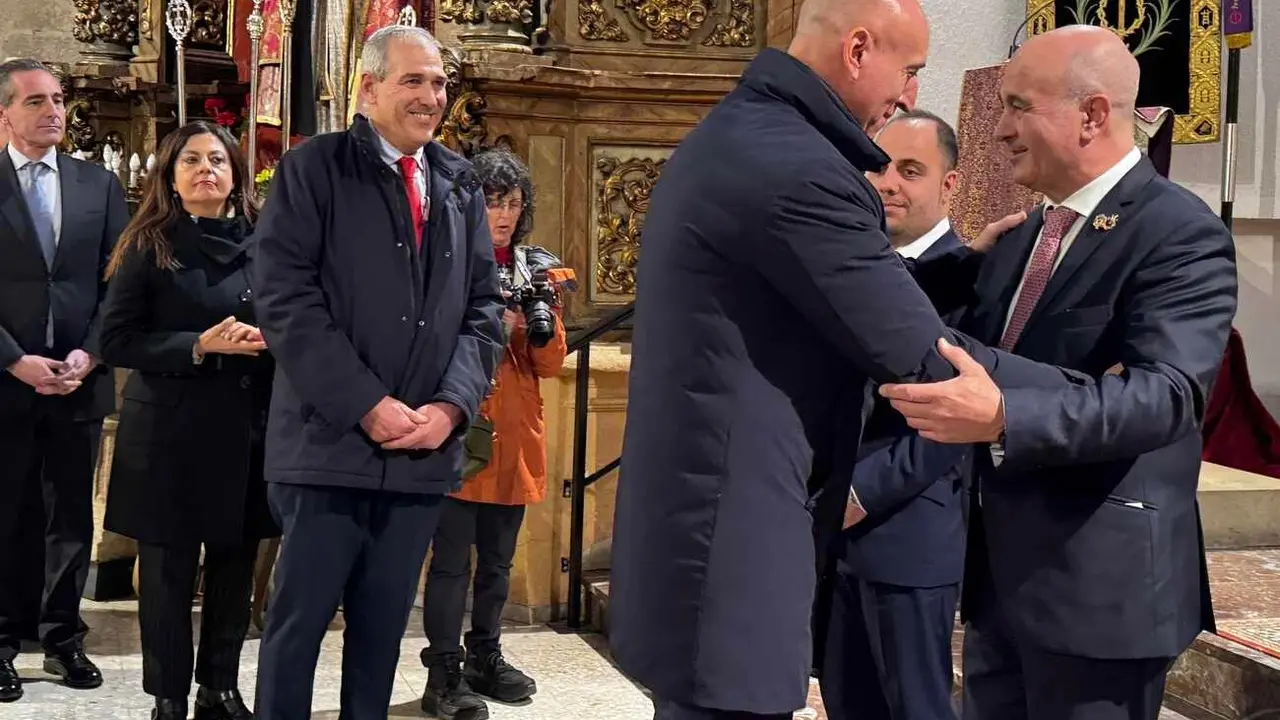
[108, 27]
[491, 24]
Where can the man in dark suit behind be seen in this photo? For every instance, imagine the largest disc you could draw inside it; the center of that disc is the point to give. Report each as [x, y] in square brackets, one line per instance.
[59, 220]
[887, 649]
[1085, 573]
[767, 296]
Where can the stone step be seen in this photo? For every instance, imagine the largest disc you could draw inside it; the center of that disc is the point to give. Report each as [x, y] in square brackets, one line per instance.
[1238, 509]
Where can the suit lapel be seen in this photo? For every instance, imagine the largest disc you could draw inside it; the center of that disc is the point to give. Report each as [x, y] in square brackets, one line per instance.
[13, 207]
[1008, 261]
[69, 185]
[946, 243]
[1090, 237]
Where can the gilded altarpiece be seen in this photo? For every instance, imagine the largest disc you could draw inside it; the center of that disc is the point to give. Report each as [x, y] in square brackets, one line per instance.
[1178, 45]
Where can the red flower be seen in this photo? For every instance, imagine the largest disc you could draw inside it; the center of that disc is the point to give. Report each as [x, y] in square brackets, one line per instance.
[213, 106]
[225, 118]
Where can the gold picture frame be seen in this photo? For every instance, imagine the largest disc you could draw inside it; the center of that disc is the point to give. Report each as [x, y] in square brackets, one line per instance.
[1202, 123]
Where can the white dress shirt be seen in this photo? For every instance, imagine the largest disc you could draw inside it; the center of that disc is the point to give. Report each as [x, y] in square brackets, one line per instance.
[921, 245]
[49, 185]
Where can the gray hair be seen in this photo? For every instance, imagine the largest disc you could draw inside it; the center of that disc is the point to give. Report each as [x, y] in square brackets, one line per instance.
[7, 70]
[373, 58]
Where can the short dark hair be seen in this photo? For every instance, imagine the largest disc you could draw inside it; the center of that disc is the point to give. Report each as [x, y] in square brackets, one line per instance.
[7, 70]
[501, 172]
[947, 142]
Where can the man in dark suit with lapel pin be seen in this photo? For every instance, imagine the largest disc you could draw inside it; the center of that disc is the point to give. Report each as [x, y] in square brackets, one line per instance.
[1085, 573]
[887, 650]
[59, 220]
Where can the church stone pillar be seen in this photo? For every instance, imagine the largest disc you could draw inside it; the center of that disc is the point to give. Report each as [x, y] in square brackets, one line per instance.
[38, 29]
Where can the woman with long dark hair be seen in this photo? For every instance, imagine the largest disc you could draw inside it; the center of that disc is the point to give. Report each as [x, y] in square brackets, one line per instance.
[187, 470]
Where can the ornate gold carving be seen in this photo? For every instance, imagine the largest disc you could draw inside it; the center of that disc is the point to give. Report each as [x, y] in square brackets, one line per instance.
[623, 200]
[108, 21]
[595, 24]
[80, 131]
[1201, 123]
[667, 20]
[464, 12]
[515, 12]
[463, 127]
[739, 28]
[209, 22]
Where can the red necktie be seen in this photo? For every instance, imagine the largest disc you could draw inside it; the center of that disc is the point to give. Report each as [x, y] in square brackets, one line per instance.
[1056, 223]
[409, 169]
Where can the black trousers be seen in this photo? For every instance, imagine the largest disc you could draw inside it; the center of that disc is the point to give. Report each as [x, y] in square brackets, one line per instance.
[363, 548]
[887, 655]
[493, 530]
[167, 576]
[1008, 680]
[668, 710]
[48, 454]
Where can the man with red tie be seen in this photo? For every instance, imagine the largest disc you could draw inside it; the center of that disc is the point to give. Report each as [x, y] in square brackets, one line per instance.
[1085, 570]
[377, 294]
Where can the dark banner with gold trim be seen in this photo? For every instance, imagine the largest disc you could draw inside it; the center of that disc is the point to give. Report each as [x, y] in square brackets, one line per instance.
[1178, 44]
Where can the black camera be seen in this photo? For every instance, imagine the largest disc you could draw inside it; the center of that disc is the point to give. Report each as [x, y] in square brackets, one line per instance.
[535, 300]
[532, 285]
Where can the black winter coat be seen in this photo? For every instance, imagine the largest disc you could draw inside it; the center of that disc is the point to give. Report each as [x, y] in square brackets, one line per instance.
[188, 454]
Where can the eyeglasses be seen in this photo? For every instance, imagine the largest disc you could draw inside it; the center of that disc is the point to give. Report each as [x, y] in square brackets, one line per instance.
[511, 205]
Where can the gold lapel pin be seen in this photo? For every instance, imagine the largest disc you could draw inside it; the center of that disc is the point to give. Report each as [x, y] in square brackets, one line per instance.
[1105, 222]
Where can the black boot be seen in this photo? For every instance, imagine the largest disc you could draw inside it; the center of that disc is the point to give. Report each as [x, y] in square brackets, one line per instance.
[221, 705]
[491, 675]
[448, 696]
[10, 683]
[165, 709]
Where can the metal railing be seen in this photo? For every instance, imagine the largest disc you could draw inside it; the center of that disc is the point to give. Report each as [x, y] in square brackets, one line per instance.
[578, 484]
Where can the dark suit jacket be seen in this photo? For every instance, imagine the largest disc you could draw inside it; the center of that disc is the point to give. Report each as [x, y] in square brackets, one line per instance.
[352, 313]
[913, 492]
[93, 214]
[767, 295]
[188, 453]
[1090, 527]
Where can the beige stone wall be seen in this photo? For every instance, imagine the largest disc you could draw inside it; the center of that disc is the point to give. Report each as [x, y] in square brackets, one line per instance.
[40, 29]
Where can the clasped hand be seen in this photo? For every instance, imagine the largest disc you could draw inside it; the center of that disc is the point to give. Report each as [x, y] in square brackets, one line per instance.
[231, 337]
[396, 426]
[968, 408]
[53, 377]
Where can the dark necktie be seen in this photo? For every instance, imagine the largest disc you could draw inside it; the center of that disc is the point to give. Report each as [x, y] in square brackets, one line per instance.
[1056, 223]
[409, 169]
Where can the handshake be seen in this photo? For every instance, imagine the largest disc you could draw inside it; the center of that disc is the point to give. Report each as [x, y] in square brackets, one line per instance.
[396, 426]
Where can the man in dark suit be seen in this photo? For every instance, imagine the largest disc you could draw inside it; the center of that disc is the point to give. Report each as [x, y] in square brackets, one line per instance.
[59, 220]
[377, 293]
[768, 295]
[887, 649]
[1085, 574]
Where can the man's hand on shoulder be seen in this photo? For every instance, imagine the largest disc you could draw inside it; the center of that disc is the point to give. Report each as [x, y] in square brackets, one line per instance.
[439, 421]
[968, 408]
[390, 420]
[991, 234]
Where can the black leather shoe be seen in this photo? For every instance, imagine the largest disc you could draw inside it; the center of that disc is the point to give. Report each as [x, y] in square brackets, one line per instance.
[169, 709]
[10, 684]
[74, 667]
[221, 705]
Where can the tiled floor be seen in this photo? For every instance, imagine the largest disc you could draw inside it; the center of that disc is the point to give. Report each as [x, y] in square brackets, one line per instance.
[575, 677]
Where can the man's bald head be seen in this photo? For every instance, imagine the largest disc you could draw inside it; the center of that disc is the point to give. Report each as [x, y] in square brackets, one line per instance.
[1069, 97]
[868, 51]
